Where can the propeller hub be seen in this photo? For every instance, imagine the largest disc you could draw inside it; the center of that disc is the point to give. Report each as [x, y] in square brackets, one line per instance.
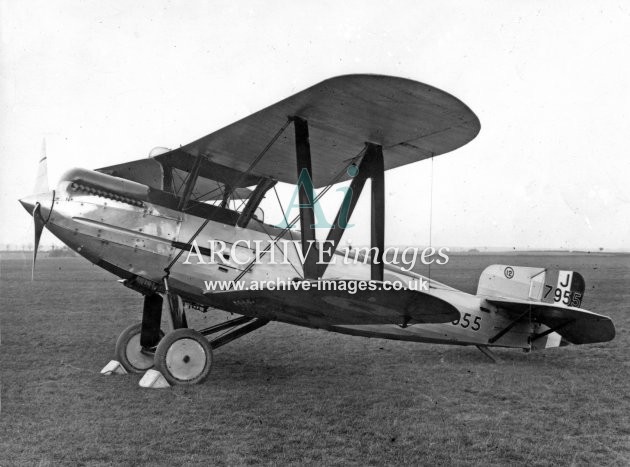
[45, 201]
[40, 207]
[29, 203]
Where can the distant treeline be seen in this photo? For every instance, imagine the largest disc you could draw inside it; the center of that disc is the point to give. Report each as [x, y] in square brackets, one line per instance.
[61, 252]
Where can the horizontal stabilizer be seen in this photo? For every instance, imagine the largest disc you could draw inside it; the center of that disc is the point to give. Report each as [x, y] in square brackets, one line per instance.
[576, 325]
[338, 307]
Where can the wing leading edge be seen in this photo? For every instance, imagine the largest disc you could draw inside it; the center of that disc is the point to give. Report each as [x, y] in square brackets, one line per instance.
[410, 120]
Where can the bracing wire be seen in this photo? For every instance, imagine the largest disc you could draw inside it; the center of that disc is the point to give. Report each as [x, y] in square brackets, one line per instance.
[218, 188]
[290, 225]
[431, 216]
[284, 216]
[240, 178]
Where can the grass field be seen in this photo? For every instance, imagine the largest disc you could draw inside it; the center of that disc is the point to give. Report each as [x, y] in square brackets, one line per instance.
[290, 395]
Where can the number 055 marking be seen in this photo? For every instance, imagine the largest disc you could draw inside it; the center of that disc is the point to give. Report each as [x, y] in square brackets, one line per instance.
[464, 321]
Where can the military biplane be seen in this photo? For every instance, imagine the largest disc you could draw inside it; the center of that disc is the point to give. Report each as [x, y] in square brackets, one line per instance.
[141, 221]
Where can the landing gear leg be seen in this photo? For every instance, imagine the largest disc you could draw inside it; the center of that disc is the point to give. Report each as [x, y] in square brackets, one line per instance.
[178, 314]
[488, 353]
[151, 319]
[175, 306]
[137, 337]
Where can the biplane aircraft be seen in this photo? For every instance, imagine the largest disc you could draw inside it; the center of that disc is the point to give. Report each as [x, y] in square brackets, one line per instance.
[152, 221]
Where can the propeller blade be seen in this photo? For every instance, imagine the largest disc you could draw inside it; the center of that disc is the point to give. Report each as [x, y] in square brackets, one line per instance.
[41, 186]
[39, 228]
[41, 179]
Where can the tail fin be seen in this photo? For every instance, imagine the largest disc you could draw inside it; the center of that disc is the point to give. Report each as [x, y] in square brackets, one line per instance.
[557, 287]
[550, 299]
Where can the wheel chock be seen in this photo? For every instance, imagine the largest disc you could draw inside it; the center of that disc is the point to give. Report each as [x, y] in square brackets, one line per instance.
[113, 368]
[153, 379]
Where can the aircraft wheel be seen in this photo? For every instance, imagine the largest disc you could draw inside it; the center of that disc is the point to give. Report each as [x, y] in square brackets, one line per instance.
[128, 350]
[184, 357]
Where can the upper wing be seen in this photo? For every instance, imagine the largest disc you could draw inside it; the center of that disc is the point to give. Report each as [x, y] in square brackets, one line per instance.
[411, 120]
[169, 172]
[576, 325]
[322, 308]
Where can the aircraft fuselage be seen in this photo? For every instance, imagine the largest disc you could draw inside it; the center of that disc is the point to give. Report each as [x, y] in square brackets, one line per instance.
[137, 239]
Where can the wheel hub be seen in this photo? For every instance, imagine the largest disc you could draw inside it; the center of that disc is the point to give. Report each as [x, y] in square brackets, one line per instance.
[186, 359]
[136, 356]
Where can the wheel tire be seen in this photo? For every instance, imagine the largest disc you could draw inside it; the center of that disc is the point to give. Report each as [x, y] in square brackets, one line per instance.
[128, 350]
[184, 357]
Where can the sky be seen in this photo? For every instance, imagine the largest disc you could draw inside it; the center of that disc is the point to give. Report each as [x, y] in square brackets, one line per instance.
[105, 82]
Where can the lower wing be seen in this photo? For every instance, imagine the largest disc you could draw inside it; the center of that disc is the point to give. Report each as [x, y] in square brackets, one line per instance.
[347, 304]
